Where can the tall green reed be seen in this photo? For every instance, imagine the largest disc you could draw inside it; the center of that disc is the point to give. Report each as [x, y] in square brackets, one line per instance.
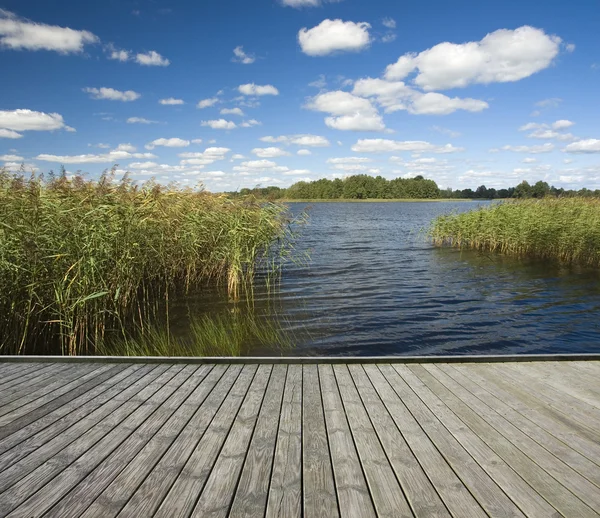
[79, 257]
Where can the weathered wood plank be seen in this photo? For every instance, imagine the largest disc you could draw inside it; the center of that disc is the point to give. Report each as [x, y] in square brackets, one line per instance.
[319, 499]
[511, 444]
[28, 384]
[128, 437]
[353, 493]
[218, 492]
[555, 446]
[285, 493]
[419, 491]
[37, 434]
[129, 465]
[95, 444]
[10, 377]
[483, 487]
[253, 486]
[386, 493]
[179, 476]
[47, 450]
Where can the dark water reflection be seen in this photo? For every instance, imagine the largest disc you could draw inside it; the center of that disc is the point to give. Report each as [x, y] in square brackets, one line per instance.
[375, 286]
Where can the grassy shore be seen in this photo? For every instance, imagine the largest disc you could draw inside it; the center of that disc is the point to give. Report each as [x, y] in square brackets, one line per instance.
[80, 259]
[566, 230]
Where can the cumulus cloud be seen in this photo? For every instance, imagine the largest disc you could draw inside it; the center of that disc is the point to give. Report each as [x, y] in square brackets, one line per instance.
[349, 160]
[269, 152]
[206, 157]
[22, 34]
[232, 111]
[152, 59]
[253, 89]
[299, 140]
[305, 3]
[396, 95]
[334, 36]
[207, 103]
[121, 152]
[584, 146]
[13, 121]
[390, 23]
[415, 146]
[219, 124]
[544, 148]
[140, 120]
[118, 54]
[250, 123]
[241, 57]
[501, 56]
[304, 152]
[168, 142]
[550, 131]
[11, 158]
[111, 94]
[171, 101]
[446, 131]
[348, 111]
[5, 133]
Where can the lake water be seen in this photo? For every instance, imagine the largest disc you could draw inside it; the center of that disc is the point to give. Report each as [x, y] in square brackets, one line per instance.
[376, 286]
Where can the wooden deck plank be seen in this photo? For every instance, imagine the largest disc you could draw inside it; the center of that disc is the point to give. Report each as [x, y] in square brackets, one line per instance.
[280, 439]
[65, 400]
[217, 494]
[318, 485]
[561, 450]
[420, 493]
[480, 484]
[128, 438]
[285, 492]
[174, 479]
[40, 432]
[129, 465]
[352, 489]
[95, 443]
[554, 422]
[455, 495]
[388, 498]
[565, 489]
[253, 486]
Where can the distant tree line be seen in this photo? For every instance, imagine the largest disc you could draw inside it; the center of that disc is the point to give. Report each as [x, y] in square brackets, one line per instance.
[362, 187]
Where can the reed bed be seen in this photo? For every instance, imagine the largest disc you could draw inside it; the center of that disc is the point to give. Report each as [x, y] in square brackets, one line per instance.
[78, 258]
[565, 230]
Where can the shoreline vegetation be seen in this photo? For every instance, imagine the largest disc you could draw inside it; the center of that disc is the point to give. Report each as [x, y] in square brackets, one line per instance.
[564, 230]
[374, 200]
[83, 262]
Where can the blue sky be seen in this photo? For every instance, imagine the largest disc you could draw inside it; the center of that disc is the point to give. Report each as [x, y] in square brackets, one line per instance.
[240, 93]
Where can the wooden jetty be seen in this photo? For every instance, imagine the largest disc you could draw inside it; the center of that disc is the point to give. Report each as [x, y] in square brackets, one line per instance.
[306, 437]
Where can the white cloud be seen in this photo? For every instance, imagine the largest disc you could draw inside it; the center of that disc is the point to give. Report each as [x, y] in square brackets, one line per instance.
[299, 140]
[269, 152]
[584, 146]
[570, 47]
[306, 3]
[386, 146]
[349, 160]
[28, 120]
[197, 141]
[207, 103]
[4, 133]
[253, 89]
[250, 123]
[544, 148]
[562, 124]
[550, 131]
[219, 124]
[11, 158]
[140, 120]
[388, 38]
[502, 56]
[111, 94]
[348, 112]
[153, 59]
[395, 95]
[304, 152]
[333, 36]
[21, 34]
[232, 111]
[168, 142]
[237, 156]
[143, 165]
[119, 55]
[446, 131]
[122, 152]
[171, 101]
[241, 57]
[552, 102]
[551, 134]
[529, 160]
[390, 23]
[319, 83]
[259, 164]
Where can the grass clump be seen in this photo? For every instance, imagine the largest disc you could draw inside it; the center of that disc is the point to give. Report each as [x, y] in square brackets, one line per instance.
[566, 230]
[78, 258]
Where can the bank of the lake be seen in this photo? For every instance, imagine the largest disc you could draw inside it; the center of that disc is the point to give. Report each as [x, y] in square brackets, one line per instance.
[375, 200]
